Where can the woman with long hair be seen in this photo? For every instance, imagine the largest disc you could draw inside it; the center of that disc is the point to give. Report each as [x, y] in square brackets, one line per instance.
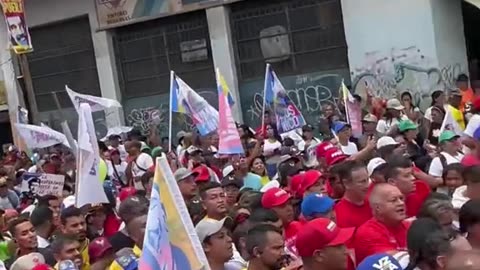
[413, 112]
[392, 116]
[438, 100]
[258, 167]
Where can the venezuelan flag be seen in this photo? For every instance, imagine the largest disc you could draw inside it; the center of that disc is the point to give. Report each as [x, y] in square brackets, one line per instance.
[175, 96]
[223, 87]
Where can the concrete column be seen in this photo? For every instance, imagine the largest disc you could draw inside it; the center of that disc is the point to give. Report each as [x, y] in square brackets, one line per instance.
[409, 45]
[107, 70]
[222, 50]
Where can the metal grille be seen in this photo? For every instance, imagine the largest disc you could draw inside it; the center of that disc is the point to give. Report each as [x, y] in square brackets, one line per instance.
[296, 36]
[146, 52]
[63, 55]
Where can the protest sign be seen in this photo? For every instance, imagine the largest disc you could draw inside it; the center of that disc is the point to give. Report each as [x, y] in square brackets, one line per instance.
[14, 13]
[43, 184]
[169, 242]
[229, 139]
[288, 116]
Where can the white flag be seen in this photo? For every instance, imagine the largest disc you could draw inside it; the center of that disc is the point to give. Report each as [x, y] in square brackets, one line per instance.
[89, 187]
[40, 137]
[96, 103]
[449, 123]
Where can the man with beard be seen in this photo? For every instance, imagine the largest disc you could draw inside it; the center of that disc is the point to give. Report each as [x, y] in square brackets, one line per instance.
[266, 248]
[68, 248]
[386, 232]
[73, 224]
[213, 200]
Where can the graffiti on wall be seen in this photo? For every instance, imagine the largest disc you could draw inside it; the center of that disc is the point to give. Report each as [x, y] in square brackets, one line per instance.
[309, 92]
[388, 74]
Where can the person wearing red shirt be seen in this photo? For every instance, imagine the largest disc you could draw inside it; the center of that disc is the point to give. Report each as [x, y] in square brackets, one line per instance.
[353, 209]
[400, 174]
[321, 244]
[279, 201]
[386, 232]
[312, 182]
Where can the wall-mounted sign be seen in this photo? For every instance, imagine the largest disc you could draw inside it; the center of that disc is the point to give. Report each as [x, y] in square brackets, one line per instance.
[112, 13]
[14, 11]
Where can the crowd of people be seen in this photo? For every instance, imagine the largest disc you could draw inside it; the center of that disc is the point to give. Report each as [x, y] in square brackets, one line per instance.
[403, 195]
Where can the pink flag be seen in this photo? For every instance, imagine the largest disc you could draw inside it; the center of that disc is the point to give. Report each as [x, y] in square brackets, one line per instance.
[353, 111]
[227, 129]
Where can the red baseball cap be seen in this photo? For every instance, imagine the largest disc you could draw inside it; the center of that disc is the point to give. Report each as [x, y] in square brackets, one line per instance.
[322, 148]
[274, 197]
[296, 183]
[470, 160]
[98, 248]
[203, 175]
[310, 178]
[126, 192]
[334, 156]
[321, 233]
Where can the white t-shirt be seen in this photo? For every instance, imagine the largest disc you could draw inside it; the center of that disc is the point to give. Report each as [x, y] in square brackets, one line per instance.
[269, 147]
[120, 170]
[384, 126]
[428, 114]
[301, 145]
[140, 166]
[349, 149]
[472, 125]
[436, 167]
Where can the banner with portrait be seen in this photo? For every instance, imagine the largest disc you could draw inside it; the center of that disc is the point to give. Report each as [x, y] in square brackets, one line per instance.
[14, 13]
[42, 184]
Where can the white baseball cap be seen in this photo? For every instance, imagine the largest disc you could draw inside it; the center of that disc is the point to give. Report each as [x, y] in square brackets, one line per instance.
[386, 140]
[373, 164]
[227, 170]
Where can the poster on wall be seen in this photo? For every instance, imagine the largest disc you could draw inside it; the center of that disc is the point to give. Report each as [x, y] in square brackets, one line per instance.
[14, 11]
[112, 13]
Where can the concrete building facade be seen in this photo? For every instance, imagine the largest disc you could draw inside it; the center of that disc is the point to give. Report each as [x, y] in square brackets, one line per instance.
[378, 47]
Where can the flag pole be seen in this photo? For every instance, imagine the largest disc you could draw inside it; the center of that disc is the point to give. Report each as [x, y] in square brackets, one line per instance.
[170, 120]
[264, 98]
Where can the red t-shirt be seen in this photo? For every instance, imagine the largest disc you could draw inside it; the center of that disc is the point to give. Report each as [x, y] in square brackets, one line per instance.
[414, 201]
[470, 160]
[291, 231]
[111, 225]
[352, 215]
[375, 237]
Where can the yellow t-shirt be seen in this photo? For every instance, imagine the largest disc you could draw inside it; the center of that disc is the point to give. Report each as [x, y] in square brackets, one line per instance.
[85, 257]
[115, 266]
[457, 116]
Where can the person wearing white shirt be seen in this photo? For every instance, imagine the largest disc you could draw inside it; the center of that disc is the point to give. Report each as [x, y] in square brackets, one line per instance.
[114, 141]
[307, 138]
[139, 164]
[344, 132]
[42, 219]
[392, 117]
[116, 168]
[450, 145]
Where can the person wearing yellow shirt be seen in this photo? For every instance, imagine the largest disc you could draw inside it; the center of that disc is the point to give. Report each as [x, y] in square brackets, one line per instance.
[136, 231]
[67, 247]
[73, 224]
[454, 101]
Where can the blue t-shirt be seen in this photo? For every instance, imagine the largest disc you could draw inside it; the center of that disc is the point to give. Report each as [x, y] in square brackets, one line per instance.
[252, 181]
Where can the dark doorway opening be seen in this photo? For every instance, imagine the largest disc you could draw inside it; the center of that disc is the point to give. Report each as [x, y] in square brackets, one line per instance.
[471, 21]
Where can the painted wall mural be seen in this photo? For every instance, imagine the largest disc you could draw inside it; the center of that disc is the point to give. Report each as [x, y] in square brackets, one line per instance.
[388, 74]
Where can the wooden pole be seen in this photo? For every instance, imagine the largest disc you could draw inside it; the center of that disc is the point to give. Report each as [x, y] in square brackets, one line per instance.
[27, 79]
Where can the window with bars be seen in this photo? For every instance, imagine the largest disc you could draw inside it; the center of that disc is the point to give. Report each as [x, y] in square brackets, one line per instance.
[63, 55]
[296, 36]
[146, 52]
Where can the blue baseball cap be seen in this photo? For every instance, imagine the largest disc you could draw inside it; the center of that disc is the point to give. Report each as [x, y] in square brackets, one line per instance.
[316, 204]
[339, 126]
[379, 261]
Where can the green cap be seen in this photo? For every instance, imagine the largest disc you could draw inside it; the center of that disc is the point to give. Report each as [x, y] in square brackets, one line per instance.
[405, 125]
[446, 136]
[157, 151]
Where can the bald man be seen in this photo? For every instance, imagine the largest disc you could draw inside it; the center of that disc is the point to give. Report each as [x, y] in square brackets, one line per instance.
[386, 232]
